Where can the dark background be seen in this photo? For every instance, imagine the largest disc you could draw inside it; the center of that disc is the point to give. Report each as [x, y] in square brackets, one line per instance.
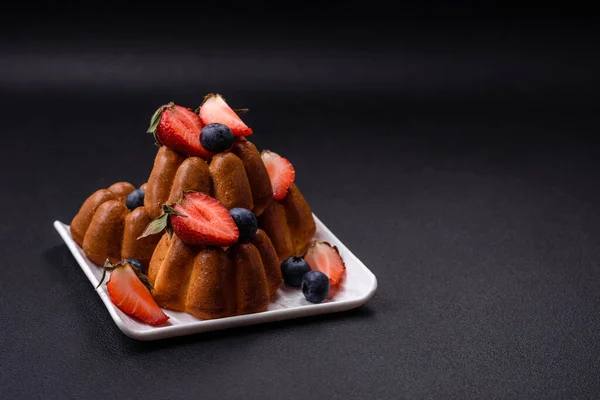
[451, 147]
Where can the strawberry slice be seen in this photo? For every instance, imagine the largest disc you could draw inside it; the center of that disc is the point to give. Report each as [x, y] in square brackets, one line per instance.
[131, 296]
[214, 109]
[326, 258]
[179, 128]
[197, 219]
[204, 220]
[281, 172]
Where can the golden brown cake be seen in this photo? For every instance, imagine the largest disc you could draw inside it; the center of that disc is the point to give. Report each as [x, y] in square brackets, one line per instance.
[237, 178]
[289, 224]
[211, 282]
[203, 152]
[105, 228]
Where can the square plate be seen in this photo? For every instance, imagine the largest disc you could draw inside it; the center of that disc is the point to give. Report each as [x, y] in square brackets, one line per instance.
[357, 288]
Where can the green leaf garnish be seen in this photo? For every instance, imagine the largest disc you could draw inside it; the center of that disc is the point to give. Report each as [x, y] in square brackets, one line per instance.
[162, 223]
[156, 226]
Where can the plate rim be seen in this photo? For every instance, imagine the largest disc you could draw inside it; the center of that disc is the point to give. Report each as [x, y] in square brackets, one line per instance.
[222, 323]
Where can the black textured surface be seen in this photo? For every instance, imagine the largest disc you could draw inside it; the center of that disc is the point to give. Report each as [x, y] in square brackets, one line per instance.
[462, 170]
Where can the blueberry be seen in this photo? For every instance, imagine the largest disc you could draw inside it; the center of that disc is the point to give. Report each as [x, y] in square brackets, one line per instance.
[293, 269]
[135, 199]
[315, 286]
[246, 223]
[137, 264]
[216, 137]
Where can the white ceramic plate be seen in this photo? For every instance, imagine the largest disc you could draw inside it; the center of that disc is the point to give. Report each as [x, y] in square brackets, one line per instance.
[357, 288]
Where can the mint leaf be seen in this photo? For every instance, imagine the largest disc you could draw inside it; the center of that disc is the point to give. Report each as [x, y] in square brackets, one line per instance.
[156, 226]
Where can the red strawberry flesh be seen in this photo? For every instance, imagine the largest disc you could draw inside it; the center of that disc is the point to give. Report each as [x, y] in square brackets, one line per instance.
[179, 129]
[281, 172]
[131, 296]
[323, 257]
[216, 110]
[206, 221]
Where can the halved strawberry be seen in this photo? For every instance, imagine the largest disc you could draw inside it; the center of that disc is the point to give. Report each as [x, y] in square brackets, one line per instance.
[206, 221]
[197, 219]
[281, 172]
[214, 109]
[179, 128]
[131, 296]
[326, 258]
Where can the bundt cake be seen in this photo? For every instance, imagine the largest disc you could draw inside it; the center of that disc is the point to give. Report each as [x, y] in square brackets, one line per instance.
[105, 228]
[220, 167]
[289, 223]
[211, 282]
